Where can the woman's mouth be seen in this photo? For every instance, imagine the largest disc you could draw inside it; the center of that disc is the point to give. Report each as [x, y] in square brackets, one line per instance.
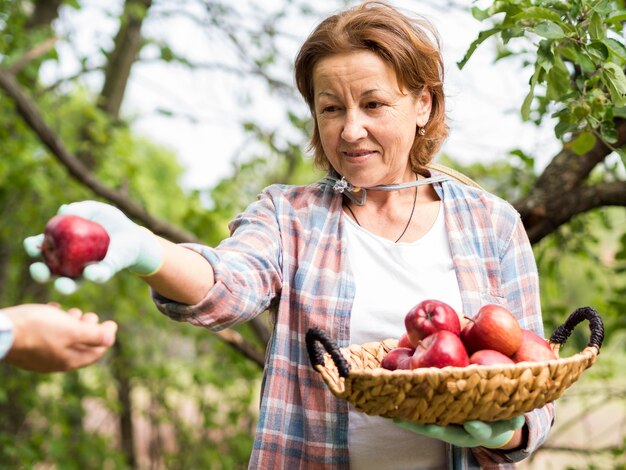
[357, 155]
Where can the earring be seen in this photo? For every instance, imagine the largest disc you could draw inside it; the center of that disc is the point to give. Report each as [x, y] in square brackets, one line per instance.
[422, 131]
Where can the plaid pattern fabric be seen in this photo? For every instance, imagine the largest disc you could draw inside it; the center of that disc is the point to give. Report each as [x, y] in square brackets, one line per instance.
[287, 254]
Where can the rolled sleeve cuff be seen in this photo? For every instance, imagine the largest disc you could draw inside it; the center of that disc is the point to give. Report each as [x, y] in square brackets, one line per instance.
[6, 334]
[205, 313]
[538, 423]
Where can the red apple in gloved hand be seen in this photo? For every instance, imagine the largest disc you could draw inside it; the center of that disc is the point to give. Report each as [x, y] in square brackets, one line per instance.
[533, 348]
[71, 242]
[493, 327]
[428, 317]
[440, 349]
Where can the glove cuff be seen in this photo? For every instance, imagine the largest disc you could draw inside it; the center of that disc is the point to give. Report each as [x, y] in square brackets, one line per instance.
[150, 259]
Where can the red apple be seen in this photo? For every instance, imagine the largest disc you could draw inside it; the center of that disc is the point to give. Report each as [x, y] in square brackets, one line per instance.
[405, 342]
[397, 358]
[71, 242]
[493, 327]
[428, 317]
[440, 349]
[487, 357]
[533, 348]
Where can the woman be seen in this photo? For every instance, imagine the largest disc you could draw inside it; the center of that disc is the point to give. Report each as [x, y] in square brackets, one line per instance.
[350, 254]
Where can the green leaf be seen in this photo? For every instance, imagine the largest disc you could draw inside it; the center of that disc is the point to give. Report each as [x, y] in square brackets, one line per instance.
[482, 37]
[549, 30]
[558, 81]
[531, 93]
[501, 6]
[479, 14]
[584, 61]
[620, 112]
[545, 56]
[609, 132]
[617, 17]
[596, 27]
[616, 82]
[562, 128]
[584, 143]
[616, 47]
[539, 13]
[599, 50]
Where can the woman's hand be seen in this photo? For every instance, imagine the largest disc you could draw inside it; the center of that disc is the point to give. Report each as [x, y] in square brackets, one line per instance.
[475, 433]
[131, 246]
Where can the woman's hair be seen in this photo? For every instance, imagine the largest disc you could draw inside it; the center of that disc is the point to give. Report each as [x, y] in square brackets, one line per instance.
[409, 45]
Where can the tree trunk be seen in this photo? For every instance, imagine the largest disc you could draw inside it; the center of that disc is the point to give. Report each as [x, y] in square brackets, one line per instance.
[45, 12]
[124, 389]
[128, 43]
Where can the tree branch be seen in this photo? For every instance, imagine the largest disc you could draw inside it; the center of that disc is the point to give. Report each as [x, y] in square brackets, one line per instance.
[558, 194]
[559, 208]
[33, 54]
[75, 167]
[29, 112]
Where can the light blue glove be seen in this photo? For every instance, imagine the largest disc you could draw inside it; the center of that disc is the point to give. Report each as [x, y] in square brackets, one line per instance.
[131, 246]
[471, 434]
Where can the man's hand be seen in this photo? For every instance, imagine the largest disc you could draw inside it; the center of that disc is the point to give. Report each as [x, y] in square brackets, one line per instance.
[47, 339]
[131, 246]
[471, 434]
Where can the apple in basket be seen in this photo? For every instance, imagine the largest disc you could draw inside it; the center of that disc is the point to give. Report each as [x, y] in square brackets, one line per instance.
[488, 357]
[493, 327]
[405, 342]
[440, 349]
[398, 358]
[428, 317]
[533, 348]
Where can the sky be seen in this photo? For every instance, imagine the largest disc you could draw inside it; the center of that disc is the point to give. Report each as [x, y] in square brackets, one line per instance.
[483, 99]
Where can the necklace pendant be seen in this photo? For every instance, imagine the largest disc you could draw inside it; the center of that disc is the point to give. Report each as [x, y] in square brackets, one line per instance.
[342, 185]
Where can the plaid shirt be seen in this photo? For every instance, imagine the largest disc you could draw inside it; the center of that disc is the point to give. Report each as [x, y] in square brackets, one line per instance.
[287, 253]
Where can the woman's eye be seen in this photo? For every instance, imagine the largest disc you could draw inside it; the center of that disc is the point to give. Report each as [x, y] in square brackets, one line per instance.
[330, 109]
[373, 105]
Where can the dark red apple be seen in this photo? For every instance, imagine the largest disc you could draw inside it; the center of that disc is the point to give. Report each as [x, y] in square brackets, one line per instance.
[493, 327]
[488, 357]
[533, 348]
[71, 242]
[428, 317]
[397, 358]
[440, 349]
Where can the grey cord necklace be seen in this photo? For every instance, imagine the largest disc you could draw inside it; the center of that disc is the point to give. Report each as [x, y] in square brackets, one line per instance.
[408, 222]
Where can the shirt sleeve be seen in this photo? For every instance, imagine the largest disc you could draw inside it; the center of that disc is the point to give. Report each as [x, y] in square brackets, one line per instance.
[247, 271]
[6, 334]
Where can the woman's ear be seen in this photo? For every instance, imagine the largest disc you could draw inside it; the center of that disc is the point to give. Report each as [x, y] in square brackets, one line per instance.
[423, 106]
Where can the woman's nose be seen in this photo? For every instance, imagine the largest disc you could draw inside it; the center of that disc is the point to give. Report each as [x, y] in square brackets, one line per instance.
[354, 127]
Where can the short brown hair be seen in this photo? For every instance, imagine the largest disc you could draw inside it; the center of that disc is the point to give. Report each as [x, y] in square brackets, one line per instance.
[410, 46]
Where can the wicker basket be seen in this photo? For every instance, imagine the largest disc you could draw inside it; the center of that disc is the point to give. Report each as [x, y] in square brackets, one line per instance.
[451, 394]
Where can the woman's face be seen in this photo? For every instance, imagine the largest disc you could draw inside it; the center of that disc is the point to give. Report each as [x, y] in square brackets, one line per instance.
[367, 124]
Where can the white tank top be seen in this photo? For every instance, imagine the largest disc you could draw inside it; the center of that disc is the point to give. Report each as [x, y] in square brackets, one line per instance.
[391, 278]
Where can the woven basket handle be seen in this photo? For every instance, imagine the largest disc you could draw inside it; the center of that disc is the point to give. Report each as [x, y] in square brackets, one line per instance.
[596, 327]
[315, 337]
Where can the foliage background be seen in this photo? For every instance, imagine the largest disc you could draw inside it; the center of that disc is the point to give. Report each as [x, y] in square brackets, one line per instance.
[173, 396]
